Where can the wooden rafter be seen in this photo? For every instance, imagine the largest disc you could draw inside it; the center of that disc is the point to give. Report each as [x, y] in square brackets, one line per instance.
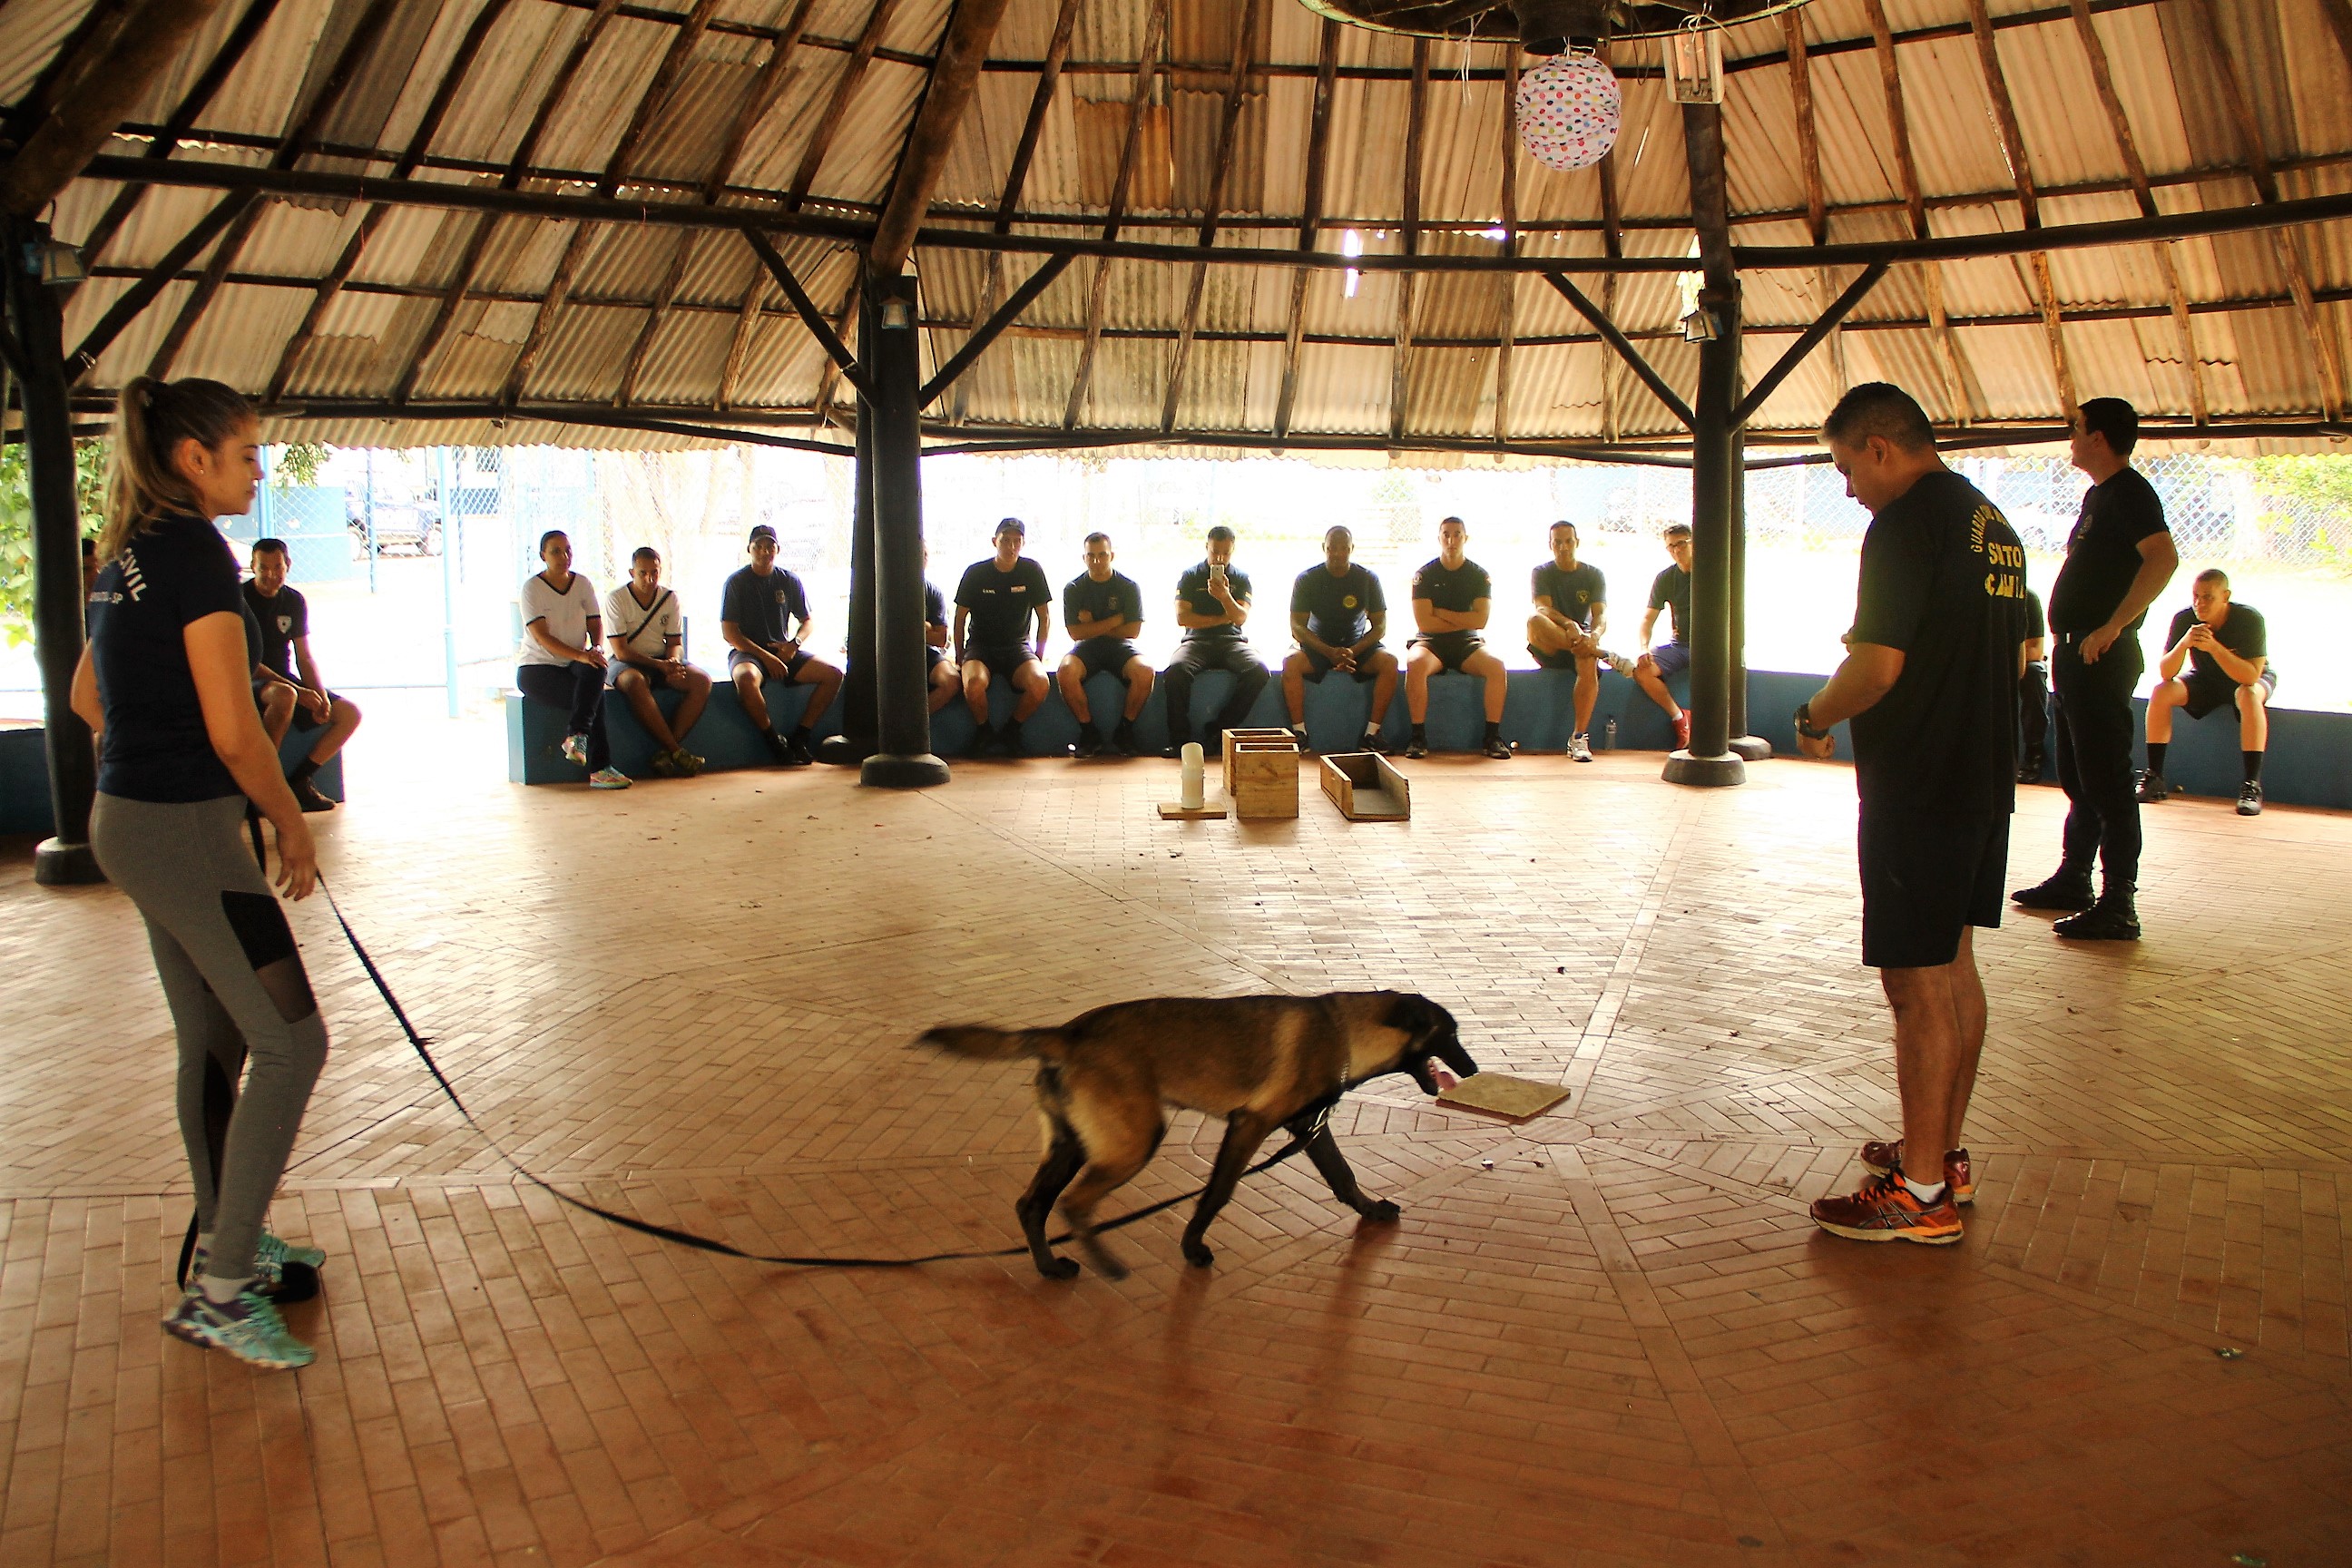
[1147, 66]
[192, 107]
[2339, 15]
[2266, 190]
[1416, 133]
[2136, 171]
[1612, 246]
[470, 262]
[1319, 136]
[1956, 386]
[1809, 163]
[176, 337]
[1228, 141]
[2020, 170]
[836, 108]
[963, 51]
[444, 93]
[1505, 329]
[140, 295]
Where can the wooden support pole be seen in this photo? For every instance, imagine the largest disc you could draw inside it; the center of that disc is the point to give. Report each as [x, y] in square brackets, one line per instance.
[861, 721]
[1714, 470]
[837, 107]
[36, 315]
[890, 339]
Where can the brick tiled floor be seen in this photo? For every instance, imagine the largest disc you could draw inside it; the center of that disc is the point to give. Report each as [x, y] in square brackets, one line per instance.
[1623, 1343]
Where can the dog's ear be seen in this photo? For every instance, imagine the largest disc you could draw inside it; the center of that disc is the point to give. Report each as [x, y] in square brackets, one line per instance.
[1414, 1014]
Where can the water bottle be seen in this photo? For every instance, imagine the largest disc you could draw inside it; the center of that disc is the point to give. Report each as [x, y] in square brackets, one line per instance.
[1608, 737]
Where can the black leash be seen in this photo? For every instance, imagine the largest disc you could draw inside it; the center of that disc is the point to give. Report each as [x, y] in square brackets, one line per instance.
[686, 1237]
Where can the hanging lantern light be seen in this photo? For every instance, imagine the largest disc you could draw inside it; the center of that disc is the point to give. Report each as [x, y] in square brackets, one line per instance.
[1568, 111]
[1695, 62]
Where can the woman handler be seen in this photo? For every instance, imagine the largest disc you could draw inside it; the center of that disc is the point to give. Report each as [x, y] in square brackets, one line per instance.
[166, 684]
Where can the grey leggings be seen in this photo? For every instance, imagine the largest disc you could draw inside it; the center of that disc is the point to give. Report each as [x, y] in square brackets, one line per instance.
[240, 1002]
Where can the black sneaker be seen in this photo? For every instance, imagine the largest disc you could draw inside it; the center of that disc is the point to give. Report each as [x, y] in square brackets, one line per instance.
[983, 741]
[2250, 799]
[797, 754]
[1124, 739]
[1011, 739]
[1298, 734]
[2062, 891]
[1416, 747]
[2151, 790]
[307, 795]
[1378, 745]
[1174, 750]
[1499, 749]
[2028, 768]
[2112, 919]
[778, 752]
[1090, 742]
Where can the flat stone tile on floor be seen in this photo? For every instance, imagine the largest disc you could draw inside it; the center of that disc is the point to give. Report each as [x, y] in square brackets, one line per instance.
[1609, 1335]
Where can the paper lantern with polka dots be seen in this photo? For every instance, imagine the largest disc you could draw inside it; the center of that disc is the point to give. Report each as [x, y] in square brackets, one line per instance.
[1568, 111]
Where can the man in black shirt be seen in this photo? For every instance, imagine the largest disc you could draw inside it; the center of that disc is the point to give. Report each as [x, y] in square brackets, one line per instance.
[1571, 613]
[756, 609]
[2118, 559]
[282, 617]
[1450, 600]
[1103, 612]
[946, 679]
[2034, 692]
[1213, 605]
[1930, 681]
[1669, 591]
[1339, 614]
[1000, 632]
[2227, 647]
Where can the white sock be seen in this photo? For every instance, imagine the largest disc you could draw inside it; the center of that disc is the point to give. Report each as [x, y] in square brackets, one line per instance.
[1371, 727]
[1925, 1192]
[220, 1292]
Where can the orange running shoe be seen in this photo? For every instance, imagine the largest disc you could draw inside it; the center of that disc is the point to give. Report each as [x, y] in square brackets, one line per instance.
[1885, 1210]
[1878, 1159]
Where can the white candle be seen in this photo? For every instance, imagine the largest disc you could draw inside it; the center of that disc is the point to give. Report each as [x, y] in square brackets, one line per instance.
[1193, 769]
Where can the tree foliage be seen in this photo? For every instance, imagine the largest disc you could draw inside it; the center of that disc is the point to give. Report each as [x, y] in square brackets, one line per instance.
[16, 527]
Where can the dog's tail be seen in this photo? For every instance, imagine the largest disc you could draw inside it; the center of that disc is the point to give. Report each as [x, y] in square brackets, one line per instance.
[994, 1044]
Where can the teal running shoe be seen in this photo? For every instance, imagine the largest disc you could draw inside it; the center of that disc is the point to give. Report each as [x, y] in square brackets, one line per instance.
[282, 1272]
[247, 1328]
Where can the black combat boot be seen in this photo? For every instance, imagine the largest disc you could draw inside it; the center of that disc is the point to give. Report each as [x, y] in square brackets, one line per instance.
[2112, 919]
[2068, 889]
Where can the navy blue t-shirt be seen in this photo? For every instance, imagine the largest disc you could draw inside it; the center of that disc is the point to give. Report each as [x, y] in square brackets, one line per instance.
[1670, 591]
[1337, 609]
[280, 620]
[156, 747]
[1002, 605]
[1113, 600]
[935, 605]
[760, 606]
[1573, 592]
[1192, 587]
[1456, 588]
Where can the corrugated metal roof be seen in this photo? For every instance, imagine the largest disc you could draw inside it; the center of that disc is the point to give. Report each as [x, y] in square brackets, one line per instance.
[2253, 353]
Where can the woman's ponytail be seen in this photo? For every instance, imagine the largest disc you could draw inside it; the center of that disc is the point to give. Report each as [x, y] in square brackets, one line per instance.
[151, 420]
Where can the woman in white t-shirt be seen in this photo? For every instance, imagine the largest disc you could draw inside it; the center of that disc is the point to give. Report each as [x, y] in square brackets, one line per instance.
[562, 661]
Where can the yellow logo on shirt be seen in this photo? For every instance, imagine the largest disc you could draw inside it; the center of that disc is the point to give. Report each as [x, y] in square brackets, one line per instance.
[1349, 602]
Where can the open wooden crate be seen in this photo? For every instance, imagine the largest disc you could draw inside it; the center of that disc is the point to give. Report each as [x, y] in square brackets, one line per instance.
[1262, 772]
[1366, 787]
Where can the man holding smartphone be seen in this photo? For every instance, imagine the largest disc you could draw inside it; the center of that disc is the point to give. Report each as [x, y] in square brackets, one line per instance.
[1213, 605]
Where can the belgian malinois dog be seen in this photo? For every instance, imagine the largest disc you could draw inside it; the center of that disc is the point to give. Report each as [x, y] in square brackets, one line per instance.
[1105, 1079]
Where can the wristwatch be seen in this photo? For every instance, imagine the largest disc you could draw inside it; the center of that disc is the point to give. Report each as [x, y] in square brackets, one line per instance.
[1805, 723]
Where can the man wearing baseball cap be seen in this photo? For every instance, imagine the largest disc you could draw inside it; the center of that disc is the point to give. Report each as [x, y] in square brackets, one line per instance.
[1000, 633]
[753, 613]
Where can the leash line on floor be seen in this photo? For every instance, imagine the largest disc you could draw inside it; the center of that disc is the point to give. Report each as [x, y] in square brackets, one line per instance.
[422, 1047]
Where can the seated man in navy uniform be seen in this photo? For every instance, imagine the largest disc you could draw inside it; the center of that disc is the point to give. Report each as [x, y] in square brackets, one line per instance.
[1000, 633]
[946, 679]
[1103, 612]
[1451, 597]
[755, 610]
[1339, 614]
[287, 683]
[1571, 600]
[2226, 646]
[1213, 605]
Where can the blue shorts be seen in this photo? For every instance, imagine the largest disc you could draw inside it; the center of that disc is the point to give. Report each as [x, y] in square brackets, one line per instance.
[1673, 658]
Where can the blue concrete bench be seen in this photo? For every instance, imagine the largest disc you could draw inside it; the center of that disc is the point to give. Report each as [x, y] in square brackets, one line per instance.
[25, 776]
[723, 737]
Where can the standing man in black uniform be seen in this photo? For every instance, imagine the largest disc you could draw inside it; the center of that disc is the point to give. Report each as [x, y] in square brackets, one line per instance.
[2118, 559]
[1103, 611]
[2034, 692]
[1930, 682]
[1339, 614]
[1451, 599]
[1000, 631]
[1213, 605]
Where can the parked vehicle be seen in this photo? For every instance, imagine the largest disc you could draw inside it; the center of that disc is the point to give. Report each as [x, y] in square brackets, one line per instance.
[412, 530]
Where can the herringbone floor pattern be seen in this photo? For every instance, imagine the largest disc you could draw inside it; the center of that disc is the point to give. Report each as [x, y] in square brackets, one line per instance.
[1609, 1336]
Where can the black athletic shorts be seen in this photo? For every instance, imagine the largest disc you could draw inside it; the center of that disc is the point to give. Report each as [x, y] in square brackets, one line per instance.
[737, 658]
[932, 656]
[1318, 666]
[1923, 879]
[2211, 692]
[1000, 661]
[1556, 659]
[653, 678]
[305, 720]
[1451, 647]
[1104, 656]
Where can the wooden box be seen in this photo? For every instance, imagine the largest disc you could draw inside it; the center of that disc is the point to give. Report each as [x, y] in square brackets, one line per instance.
[1366, 788]
[1262, 777]
[1234, 739]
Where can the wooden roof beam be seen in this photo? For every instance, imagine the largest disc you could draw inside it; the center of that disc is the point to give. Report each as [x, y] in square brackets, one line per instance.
[1612, 246]
[1147, 66]
[836, 108]
[1416, 133]
[2136, 171]
[1506, 328]
[1907, 172]
[96, 84]
[2020, 170]
[1809, 163]
[2266, 190]
[1228, 141]
[1319, 136]
[962, 51]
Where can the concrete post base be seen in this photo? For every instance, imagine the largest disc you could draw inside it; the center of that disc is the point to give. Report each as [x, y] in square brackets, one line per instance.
[883, 771]
[843, 751]
[58, 864]
[1705, 772]
[1752, 748]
